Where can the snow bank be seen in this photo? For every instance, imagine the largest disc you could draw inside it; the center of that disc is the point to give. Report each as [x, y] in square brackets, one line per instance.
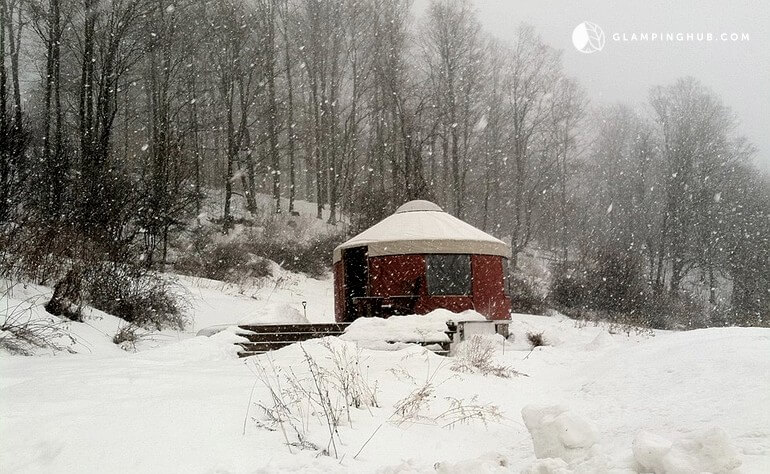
[558, 434]
[705, 451]
[219, 346]
[487, 463]
[549, 466]
[603, 340]
[276, 313]
[429, 327]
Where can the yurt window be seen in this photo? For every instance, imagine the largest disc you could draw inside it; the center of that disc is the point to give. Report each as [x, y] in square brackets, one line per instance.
[449, 274]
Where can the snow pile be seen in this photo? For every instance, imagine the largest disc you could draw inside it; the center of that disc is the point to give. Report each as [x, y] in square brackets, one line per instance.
[705, 451]
[486, 463]
[276, 313]
[429, 327]
[219, 346]
[558, 434]
[602, 341]
[549, 466]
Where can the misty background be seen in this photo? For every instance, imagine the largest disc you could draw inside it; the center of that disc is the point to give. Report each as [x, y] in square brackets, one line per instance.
[739, 72]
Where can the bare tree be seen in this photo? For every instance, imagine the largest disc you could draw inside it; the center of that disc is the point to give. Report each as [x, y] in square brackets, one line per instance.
[534, 69]
[453, 50]
[291, 137]
[235, 53]
[695, 129]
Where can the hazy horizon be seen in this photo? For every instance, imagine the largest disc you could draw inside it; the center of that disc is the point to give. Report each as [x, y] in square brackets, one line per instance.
[738, 72]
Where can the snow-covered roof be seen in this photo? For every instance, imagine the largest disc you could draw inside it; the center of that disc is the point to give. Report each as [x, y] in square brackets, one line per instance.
[418, 205]
[422, 227]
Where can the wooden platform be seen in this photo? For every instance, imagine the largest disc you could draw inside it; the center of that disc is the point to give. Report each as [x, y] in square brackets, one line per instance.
[269, 337]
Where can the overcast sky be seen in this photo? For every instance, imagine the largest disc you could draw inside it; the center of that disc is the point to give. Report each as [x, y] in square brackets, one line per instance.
[739, 72]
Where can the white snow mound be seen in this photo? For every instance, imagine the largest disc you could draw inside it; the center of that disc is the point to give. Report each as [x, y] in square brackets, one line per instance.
[603, 340]
[557, 433]
[429, 327]
[549, 466]
[279, 313]
[705, 451]
[486, 463]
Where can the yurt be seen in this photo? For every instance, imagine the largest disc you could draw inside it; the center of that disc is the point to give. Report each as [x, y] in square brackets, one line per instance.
[417, 260]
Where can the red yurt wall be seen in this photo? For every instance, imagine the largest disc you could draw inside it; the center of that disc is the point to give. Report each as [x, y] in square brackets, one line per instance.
[489, 296]
[399, 275]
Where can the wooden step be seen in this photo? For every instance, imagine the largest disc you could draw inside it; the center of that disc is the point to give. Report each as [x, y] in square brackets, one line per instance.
[316, 328]
[256, 348]
[263, 346]
[269, 337]
[285, 336]
[243, 354]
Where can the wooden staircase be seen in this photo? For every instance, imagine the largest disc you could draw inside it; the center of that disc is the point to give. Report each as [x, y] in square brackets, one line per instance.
[269, 337]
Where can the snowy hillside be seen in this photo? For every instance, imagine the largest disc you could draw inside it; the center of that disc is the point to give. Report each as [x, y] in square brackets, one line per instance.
[636, 402]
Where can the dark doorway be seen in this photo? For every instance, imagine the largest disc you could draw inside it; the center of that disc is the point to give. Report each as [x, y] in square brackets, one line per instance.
[356, 278]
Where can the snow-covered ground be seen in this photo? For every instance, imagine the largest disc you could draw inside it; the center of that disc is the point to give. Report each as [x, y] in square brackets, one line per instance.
[275, 298]
[592, 401]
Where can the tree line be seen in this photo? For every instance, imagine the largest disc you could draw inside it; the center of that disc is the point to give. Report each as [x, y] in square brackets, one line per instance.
[118, 116]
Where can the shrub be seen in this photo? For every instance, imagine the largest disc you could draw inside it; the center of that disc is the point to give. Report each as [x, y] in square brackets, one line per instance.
[477, 355]
[617, 281]
[312, 258]
[612, 287]
[569, 288]
[536, 339]
[21, 333]
[229, 261]
[415, 408]
[612, 282]
[237, 260]
[309, 407]
[524, 299]
[346, 377]
[126, 337]
[667, 310]
[136, 296]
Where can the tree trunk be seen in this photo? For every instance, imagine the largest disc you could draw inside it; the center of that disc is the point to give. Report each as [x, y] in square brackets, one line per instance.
[289, 109]
[67, 295]
[231, 151]
[196, 140]
[272, 115]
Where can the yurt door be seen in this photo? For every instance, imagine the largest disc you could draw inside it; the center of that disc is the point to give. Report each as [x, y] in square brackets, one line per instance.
[356, 278]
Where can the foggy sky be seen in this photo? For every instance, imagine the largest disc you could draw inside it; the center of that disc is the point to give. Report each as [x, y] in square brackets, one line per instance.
[624, 72]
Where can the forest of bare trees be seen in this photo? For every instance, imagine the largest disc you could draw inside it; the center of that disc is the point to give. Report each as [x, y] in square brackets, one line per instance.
[120, 116]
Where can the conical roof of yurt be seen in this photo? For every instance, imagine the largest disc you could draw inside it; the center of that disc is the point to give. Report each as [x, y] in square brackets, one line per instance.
[422, 227]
